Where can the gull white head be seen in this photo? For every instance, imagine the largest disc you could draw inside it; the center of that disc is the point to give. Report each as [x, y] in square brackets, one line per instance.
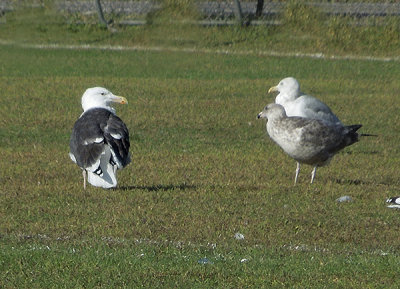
[288, 88]
[100, 97]
[272, 111]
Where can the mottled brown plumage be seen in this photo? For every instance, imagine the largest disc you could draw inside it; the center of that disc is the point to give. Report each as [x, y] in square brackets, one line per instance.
[308, 141]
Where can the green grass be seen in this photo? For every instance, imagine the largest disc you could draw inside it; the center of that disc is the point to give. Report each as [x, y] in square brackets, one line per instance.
[203, 169]
[303, 29]
[168, 265]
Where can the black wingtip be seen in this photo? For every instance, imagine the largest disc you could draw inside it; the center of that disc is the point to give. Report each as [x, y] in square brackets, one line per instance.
[354, 127]
[393, 200]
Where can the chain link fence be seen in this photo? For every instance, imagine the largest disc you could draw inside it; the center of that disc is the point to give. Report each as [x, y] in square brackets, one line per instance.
[216, 12]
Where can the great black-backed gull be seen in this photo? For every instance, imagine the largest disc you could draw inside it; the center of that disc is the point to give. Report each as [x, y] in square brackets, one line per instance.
[297, 103]
[308, 141]
[393, 202]
[99, 142]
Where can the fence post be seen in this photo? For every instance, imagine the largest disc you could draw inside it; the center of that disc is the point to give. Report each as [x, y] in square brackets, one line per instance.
[260, 6]
[238, 12]
[100, 13]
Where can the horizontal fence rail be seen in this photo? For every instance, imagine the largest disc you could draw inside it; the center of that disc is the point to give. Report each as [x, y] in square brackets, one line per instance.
[226, 8]
[214, 11]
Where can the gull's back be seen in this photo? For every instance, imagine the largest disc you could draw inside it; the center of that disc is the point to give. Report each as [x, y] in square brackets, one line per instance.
[310, 141]
[310, 107]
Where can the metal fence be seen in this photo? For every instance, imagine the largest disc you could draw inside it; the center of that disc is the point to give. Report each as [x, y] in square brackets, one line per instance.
[218, 12]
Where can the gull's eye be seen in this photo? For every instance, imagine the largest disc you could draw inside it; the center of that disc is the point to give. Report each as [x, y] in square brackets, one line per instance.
[103, 93]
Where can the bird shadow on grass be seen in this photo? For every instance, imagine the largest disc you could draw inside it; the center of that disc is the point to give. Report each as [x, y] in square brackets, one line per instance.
[349, 182]
[157, 188]
[358, 182]
[362, 152]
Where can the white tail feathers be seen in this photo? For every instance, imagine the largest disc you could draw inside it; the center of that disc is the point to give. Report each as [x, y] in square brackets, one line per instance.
[108, 178]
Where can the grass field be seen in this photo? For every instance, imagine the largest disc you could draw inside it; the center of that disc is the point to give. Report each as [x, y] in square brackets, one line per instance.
[203, 169]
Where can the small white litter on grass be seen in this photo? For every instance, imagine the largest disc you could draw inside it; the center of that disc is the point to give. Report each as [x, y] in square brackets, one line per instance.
[205, 261]
[344, 199]
[304, 248]
[239, 236]
[38, 248]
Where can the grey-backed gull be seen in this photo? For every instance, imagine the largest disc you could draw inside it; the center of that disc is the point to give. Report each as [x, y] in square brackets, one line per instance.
[297, 103]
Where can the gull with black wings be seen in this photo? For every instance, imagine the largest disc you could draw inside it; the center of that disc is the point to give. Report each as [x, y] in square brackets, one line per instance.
[99, 142]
